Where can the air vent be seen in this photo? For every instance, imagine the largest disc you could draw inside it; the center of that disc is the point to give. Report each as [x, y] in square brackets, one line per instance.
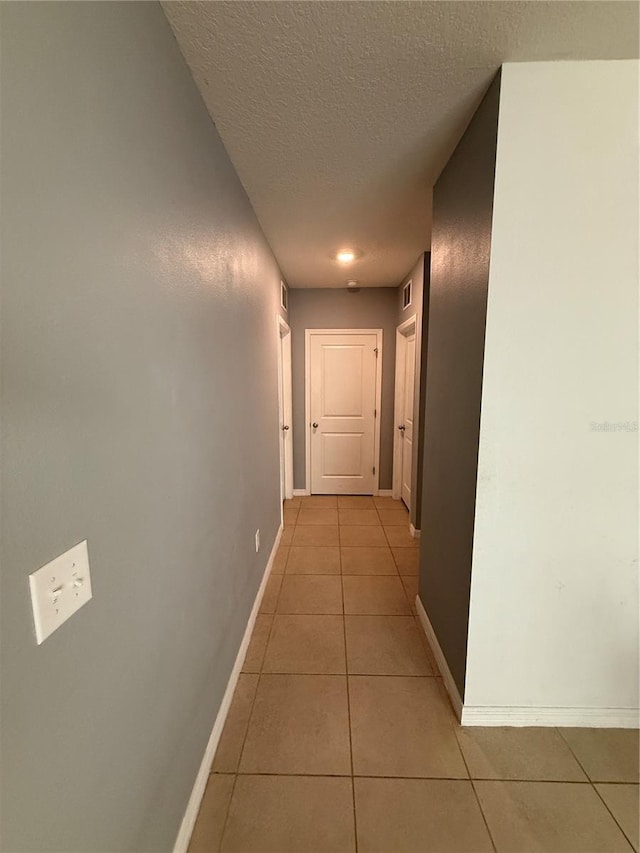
[406, 295]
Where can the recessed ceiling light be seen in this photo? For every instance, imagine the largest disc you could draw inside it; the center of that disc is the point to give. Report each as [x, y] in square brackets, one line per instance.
[345, 256]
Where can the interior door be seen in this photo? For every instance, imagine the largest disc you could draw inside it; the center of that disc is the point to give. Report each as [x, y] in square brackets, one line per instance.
[342, 398]
[284, 428]
[407, 418]
[285, 409]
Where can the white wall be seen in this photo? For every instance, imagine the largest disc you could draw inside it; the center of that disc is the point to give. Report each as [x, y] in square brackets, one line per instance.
[554, 591]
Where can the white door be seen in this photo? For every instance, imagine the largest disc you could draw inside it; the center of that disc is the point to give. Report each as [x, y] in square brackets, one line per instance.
[343, 377]
[284, 428]
[406, 425]
[404, 410]
[285, 409]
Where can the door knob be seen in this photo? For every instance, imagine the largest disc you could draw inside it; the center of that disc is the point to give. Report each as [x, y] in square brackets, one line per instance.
[285, 428]
[401, 427]
[314, 425]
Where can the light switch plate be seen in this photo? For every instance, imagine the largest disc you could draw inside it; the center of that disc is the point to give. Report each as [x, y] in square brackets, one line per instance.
[59, 589]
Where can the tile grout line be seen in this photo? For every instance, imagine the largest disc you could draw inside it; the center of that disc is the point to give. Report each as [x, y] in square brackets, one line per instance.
[228, 809]
[346, 679]
[404, 589]
[473, 787]
[398, 574]
[592, 783]
[420, 778]
[255, 694]
[587, 780]
[393, 556]
[260, 671]
[341, 575]
[237, 771]
[569, 747]
[353, 674]
[253, 702]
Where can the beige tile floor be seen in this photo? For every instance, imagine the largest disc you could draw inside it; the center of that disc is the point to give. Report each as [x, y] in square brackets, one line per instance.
[340, 736]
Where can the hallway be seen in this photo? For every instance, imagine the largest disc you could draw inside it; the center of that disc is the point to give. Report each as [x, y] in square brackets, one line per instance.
[308, 762]
[223, 223]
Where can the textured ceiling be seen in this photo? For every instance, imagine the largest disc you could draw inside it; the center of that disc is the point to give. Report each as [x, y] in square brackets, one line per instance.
[338, 116]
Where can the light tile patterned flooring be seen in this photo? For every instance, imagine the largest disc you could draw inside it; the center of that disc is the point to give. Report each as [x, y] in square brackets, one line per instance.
[340, 736]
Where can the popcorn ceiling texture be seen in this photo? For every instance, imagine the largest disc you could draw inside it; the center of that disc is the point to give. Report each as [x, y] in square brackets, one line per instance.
[338, 116]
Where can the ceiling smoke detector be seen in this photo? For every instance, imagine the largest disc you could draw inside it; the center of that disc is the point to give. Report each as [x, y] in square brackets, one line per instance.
[353, 285]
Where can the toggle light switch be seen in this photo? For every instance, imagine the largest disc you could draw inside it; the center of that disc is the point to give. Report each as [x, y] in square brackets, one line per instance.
[60, 588]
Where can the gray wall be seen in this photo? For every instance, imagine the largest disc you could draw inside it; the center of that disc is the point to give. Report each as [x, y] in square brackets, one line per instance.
[419, 277]
[370, 308]
[139, 411]
[460, 250]
[424, 343]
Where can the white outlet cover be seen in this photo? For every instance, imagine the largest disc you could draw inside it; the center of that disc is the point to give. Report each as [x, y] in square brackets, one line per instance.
[60, 588]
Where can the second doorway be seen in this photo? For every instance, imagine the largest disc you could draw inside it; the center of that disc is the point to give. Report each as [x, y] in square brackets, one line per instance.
[404, 411]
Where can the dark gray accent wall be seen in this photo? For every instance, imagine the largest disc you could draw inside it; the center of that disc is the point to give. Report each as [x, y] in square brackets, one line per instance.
[460, 251]
[370, 308]
[139, 411]
[424, 343]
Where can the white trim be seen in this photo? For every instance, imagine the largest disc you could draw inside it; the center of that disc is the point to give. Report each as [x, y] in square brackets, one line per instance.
[408, 327]
[285, 402]
[284, 296]
[385, 493]
[300, 493]
[414, 532]
[307, 398]
[592, 718]
[193, 806]
[613, 718]
[438, 654]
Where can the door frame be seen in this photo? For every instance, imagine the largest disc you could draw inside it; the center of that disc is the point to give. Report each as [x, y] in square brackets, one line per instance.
[409, 327]
[285, 404]
[307, 398]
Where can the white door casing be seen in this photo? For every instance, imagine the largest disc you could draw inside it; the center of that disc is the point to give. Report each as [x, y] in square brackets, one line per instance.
[407, 420]
[343, 388]
[405, 393]
[285, 409]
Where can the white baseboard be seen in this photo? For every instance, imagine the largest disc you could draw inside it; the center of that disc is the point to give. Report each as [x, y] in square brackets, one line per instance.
[415, 533]
[590, 718]
[445, 672]
[193, 806]
[382, 493]
[470, 715]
